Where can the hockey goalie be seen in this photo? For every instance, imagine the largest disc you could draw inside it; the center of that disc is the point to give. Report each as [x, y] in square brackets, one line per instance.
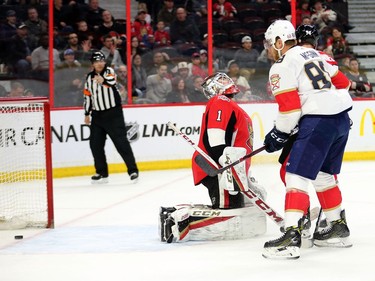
[226, 135]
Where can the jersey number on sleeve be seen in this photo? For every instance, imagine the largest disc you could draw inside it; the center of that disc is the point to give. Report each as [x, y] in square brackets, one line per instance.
[317, 75]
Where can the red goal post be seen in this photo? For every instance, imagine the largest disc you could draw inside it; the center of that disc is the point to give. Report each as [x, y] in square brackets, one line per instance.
[26, 195]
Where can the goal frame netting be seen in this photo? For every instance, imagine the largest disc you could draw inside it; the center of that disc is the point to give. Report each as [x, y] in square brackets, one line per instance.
[40, 178]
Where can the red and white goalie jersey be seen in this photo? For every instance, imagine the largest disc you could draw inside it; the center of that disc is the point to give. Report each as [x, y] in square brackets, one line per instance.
[302, 83]
[224, 123]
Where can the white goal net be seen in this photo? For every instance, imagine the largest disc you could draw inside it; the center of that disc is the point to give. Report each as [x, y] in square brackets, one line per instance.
[25, 164]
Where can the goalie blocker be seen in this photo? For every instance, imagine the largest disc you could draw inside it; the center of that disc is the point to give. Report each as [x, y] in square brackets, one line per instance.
[187, 222]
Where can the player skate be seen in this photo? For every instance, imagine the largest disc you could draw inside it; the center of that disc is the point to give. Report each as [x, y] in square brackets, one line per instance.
[336, 234]
[287, 246]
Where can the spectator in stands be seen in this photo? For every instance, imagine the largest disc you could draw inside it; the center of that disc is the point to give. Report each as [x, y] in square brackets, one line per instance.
[72, 42]
[84, 33]
[9, 28]
[183, 30]
[157, 59]
[93, 14]
[234, 73]
[302, 11]
[69, 81]
[19, 52]
[200, 8]
[183, 70]
[63, 16]
[204, 59]
[246, 57]
[323, 16]
[140, 75]
[195, 66]
[112, 55]
[336, 45]
[179, 93]
[3, 92]
[81, 49]
[29, 93]
[158, 85]
[40, 59]
[360, 86]
[143, 6]
[135, 47]
[162, 37]
[141, 29]
[344, 63]
[167, 13]
[59, 41]
[196, 90]
[223, 10]
[17, 89]
[36, 25]
[122, 83]
[108, 24]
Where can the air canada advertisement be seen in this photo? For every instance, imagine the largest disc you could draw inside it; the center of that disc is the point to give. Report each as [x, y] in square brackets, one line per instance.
[152, 139]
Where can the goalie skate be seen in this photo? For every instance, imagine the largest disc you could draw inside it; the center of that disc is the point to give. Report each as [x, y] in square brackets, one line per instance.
[165, 224]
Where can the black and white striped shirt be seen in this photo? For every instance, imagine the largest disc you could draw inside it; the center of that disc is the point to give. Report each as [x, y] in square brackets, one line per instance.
[100, 97]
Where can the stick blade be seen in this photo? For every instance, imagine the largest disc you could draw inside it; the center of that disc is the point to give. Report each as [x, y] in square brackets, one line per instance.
[206, 166]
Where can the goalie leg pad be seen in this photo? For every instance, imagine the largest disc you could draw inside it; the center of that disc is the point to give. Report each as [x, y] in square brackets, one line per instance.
[202, 223]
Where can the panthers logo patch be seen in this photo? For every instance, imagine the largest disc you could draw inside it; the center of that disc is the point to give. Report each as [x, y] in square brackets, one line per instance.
[275, 82]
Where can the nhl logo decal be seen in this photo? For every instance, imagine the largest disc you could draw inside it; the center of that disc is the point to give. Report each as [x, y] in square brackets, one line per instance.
[132, 129]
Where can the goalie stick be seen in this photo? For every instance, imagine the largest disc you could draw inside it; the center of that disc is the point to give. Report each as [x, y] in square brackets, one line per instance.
[204, 160]
[211, 171]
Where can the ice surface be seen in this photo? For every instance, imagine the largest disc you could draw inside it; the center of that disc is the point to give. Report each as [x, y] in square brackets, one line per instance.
[109, 232]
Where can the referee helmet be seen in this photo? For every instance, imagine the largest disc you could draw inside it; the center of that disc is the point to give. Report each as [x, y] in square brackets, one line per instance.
[97, 56]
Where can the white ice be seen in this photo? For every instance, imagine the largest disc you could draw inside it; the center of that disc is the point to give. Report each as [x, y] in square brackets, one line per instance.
[109, 232]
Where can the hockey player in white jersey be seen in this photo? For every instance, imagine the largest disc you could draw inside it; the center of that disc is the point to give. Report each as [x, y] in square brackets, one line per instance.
[301, 81]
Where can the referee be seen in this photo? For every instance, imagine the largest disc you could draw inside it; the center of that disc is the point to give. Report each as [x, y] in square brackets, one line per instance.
[103, 102]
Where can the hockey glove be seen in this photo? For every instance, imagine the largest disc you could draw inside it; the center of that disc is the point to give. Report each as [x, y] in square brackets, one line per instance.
[275, 140]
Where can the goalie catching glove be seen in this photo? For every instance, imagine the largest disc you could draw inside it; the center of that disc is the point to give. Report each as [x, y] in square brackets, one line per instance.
[275, 140]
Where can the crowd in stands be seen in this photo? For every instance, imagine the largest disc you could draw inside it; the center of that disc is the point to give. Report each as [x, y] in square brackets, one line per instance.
[169, 45]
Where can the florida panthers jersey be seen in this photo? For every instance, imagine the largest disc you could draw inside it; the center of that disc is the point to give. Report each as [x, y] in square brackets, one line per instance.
[224, 123]
[301, 82]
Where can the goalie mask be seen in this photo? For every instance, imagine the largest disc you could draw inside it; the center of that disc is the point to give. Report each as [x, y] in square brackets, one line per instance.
[219, 84]
[307, 34]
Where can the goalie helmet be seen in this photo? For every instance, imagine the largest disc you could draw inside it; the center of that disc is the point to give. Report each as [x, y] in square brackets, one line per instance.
[307, 34]
[97, 56]
[219, 84]
[282, 29]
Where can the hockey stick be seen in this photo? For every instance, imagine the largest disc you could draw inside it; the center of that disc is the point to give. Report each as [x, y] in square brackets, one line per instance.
[196, 147]
[209, 170]
[251, 195]
[204, 160]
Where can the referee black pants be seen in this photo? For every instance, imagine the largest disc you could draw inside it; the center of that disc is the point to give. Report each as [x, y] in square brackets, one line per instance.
[110, 122]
